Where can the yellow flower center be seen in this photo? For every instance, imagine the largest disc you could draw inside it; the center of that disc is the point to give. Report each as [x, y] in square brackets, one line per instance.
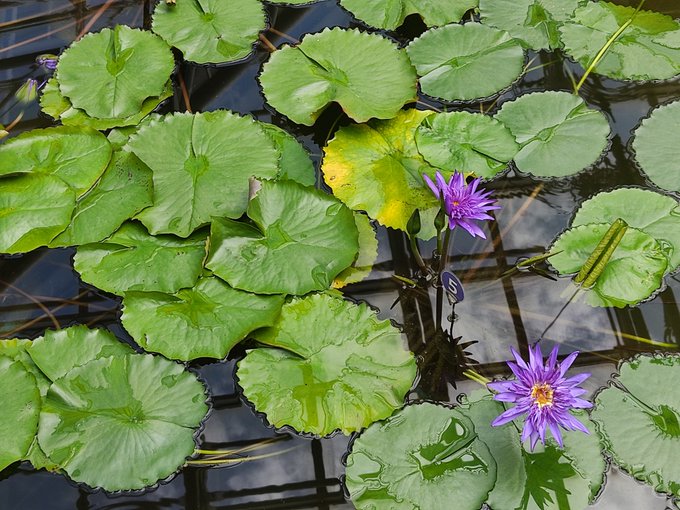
[456, 203]
[542, 395]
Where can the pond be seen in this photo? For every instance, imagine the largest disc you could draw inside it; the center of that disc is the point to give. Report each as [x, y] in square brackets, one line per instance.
[272, 468]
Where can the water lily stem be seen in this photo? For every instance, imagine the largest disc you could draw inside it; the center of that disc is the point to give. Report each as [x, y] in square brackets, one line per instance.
[416, 254]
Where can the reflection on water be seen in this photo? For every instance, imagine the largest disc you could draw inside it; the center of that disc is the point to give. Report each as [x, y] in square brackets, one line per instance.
[40, 290]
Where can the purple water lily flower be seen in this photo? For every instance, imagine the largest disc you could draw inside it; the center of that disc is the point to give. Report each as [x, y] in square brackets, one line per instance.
[463, 202]
[544, 394]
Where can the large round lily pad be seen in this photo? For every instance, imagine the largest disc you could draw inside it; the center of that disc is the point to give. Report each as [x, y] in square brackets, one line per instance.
[657, 147]
[548, 125]
[421, 457]
[138, 412]
[210, 31]
[368, 75]
[301, 239]
[331, 365]
[464, 62]
[390, 14]
[205, 321]
[101, 72]
[201, 167]
[647, 442]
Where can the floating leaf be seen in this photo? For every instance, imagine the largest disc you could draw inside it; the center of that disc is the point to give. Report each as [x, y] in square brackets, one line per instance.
[144, 409]
[466, 142]
[131, 259]
[205, 321]
[534, 23]
[100, 73]
[17, 350]
[420, 457]
[548, 125]
[390, 14]
[294, 161]
[376, 167]
[462, 62]
[210, 31]
[301, 239]
[331, 365]
[370, 76]
[291, 2]
[639, 419]
[657, 147]
[647, 49]
[368, 252]
[201, 167]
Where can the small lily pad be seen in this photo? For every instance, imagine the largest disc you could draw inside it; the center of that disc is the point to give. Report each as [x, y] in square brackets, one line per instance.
[300, 240]
[548, 125]
[646, 443]
[421, 457]
[210, 31]
[331, 365]
[370, 77]
[464, 62]
[294, 161]
[390, 14]
[205, 321]
[368, 252]
[131, 259]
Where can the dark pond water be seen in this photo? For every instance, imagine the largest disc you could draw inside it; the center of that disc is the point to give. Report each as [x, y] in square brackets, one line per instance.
[40, 290]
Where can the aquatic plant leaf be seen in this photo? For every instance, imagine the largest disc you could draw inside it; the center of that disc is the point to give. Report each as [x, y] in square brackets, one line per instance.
[657, 147]
[466, 142]
[330, 365]
[376, 167]
[390, 14]
[646, 443]
[548, 125]
[205, 321]
[648, 48]
[421, 456]
[125, 188]
[534, 23]
[17, 350]
[20, 410]
[463, 62]
[201, 167]
[100, 73]
[138, 412]
[656, 214]
[131, 259]
[368, 75]
[291, 2]
[368, 253]
[301, 239]
[210, 31]
[78, 156]
[294, 161]
[634, 271]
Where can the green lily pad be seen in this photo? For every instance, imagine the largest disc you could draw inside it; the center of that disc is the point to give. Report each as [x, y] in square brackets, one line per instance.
[648, 48]
[301, 239]
[420, 457]
[139, 412]
[647, 442]
[633, 273]
[294, 161]
[657, 147]
[548, 125]
[464, 62]
[201, 167]
[125, 188]
[534, 23]
[205, 321]
[376, 167]
[657, 215]
[210, 31]
[368, 75]
[20, 410]
[291, 2]
[368, 253]
[390, 14]
[17, 350]
[467, 142]
[78, 156]
[331, 365]
[100, 73]
[131, 259]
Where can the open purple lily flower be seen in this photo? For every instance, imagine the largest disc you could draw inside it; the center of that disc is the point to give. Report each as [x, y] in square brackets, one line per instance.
[463, 202]
[544, 394]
